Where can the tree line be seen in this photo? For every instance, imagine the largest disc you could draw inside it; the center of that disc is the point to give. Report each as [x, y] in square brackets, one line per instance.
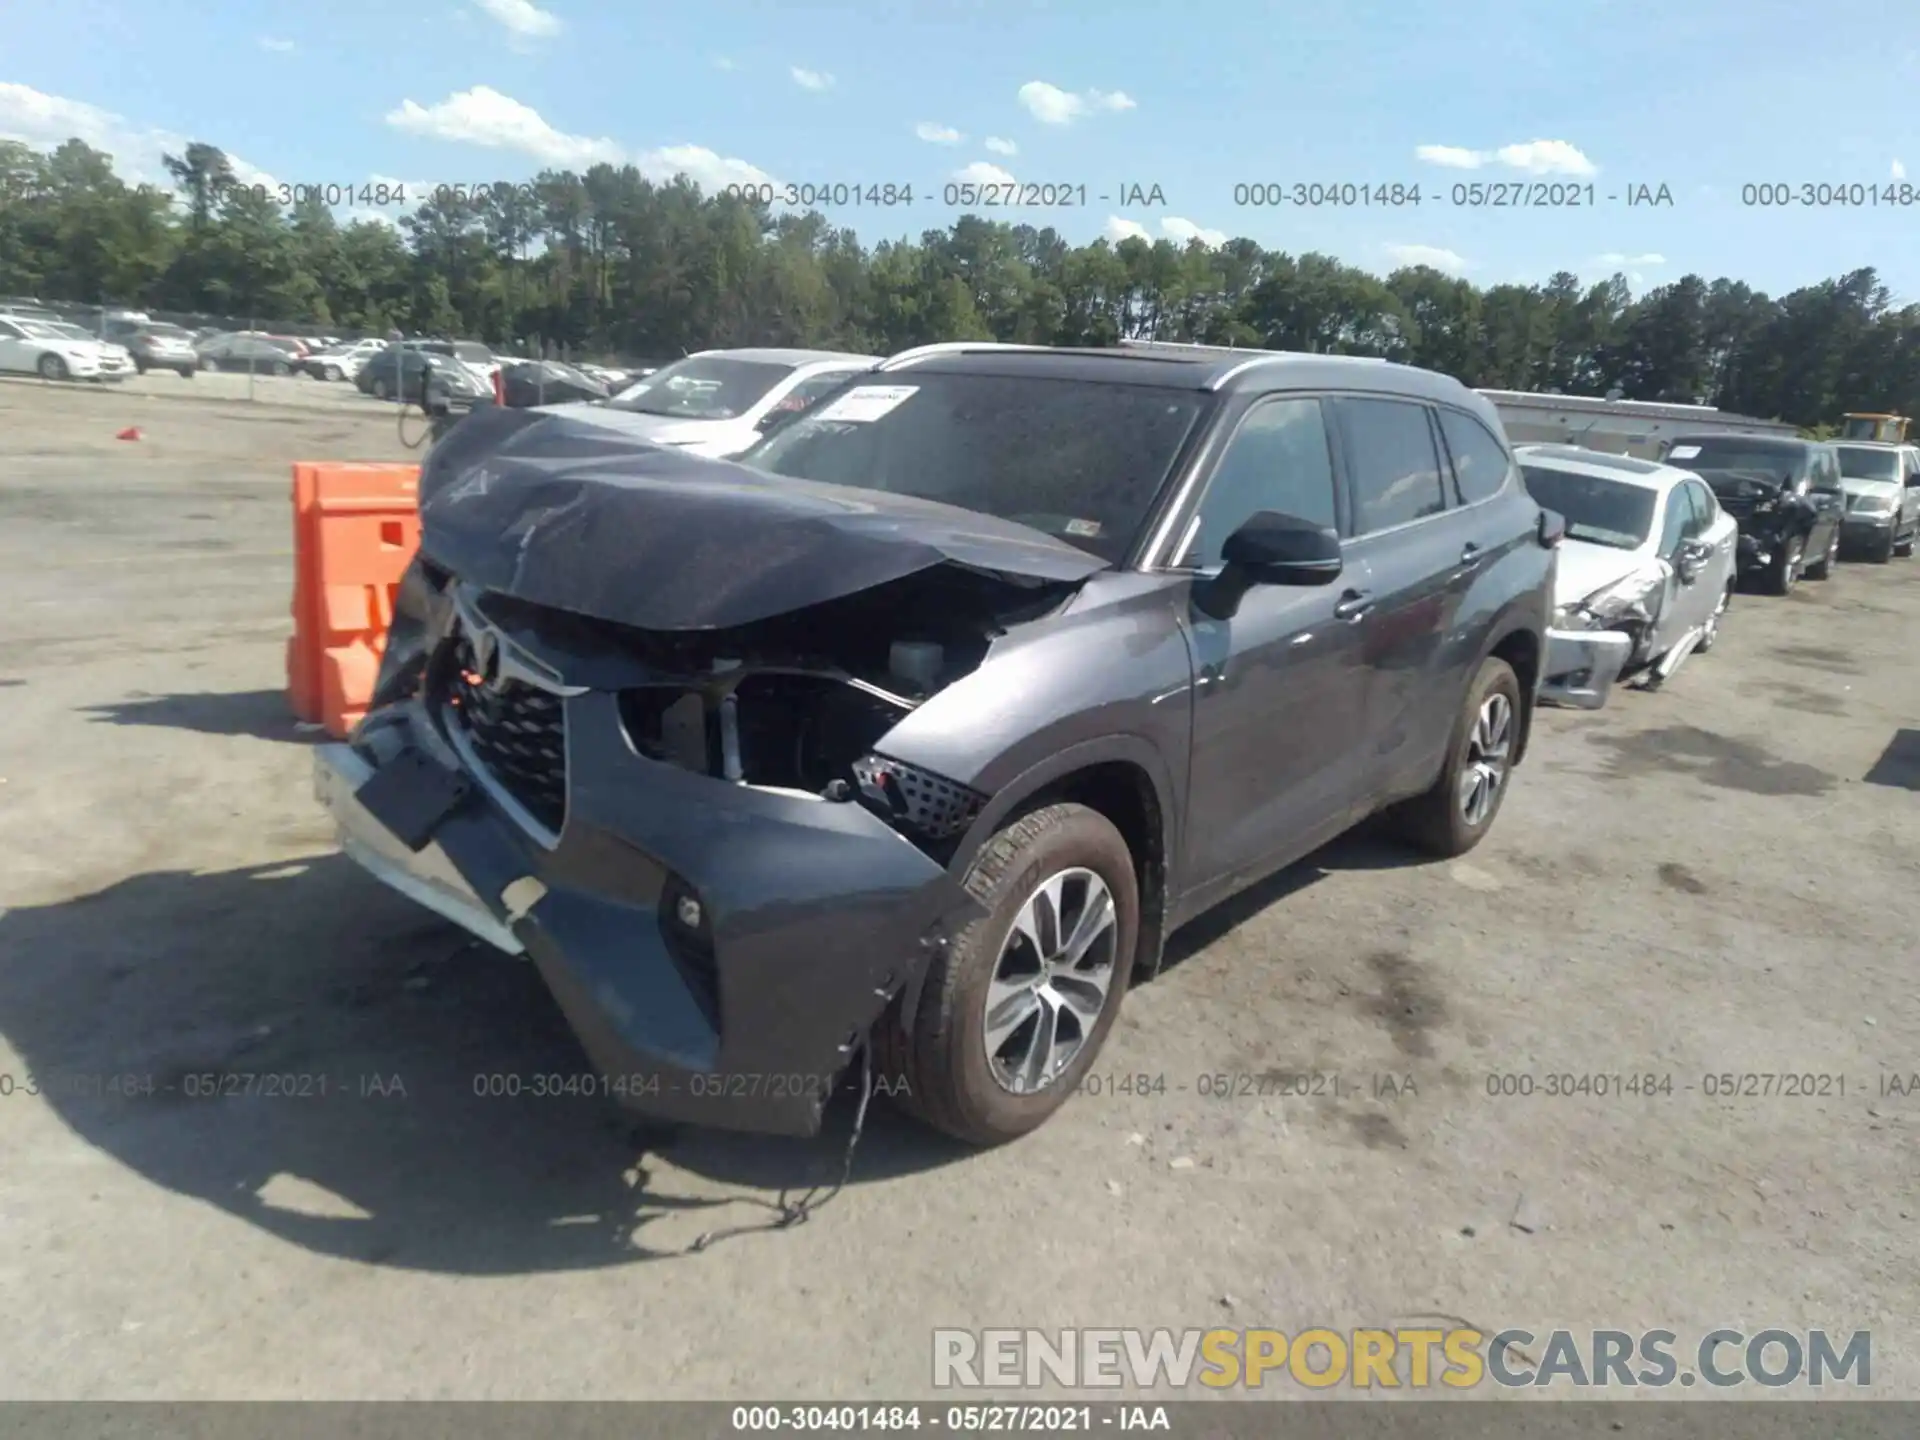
[609, 263]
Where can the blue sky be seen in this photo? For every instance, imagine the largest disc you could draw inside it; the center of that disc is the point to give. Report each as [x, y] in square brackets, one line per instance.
[1699, 96]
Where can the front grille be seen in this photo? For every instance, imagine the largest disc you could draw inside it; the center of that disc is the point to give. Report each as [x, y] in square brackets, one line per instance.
[517, 732]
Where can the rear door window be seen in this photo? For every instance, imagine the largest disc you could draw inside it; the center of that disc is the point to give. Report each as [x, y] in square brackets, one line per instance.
[1392, 466]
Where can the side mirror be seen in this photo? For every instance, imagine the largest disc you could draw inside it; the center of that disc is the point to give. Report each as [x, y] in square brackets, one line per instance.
[1276, 549]
[1269, 549]
[775, 418]
[1913, 481]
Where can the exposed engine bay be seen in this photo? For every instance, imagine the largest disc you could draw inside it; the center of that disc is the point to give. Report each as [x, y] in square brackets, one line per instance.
[798, 703]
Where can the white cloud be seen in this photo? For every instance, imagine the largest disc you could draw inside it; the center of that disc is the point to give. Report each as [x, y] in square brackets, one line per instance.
[1451, 156]
[1447, 262]
[981, 173]
[1173, 227]
[811, 79]
[935, 134]
[1616, 260]
[1051, 105]
[1184, 231]
[44, 121]
[708, 169]
[267, 42]
[1534, 157]
[1899, 171]
[483, 116]
[522, 17]
[1002, 147]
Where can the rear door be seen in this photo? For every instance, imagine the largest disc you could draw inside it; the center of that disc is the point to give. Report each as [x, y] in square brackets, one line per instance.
[1828, 497]
[1411, 549]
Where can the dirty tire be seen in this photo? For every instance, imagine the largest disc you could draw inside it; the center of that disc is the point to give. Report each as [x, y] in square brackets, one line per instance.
[934, 1061]
[1823, 568]
[1782, 574]
[1883, 552]
[52, 367]
[1434, 822]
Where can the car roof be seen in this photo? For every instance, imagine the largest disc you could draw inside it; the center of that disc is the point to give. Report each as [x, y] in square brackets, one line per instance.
[1200, 369]
[1872, 445]
[1625, 468]
[776, 356]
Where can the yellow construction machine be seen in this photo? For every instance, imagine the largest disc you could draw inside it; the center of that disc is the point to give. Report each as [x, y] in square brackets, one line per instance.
[1866, 425]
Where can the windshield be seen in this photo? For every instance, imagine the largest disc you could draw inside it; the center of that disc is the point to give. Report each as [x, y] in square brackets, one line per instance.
[41, 330]
[1857, 463]
[703, 387]
[1080, 461]
[1737, 453]
[1604, 512]
[166, 332]
[72, 332]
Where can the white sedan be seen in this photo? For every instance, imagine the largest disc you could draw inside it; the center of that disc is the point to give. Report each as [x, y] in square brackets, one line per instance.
[54, 351]
[1646, 569]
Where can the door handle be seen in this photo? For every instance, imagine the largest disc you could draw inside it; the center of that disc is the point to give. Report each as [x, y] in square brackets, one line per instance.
[1470, 556]
[1353, 605]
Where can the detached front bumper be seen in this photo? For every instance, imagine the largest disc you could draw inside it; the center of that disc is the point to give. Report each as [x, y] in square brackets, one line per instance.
[1582, 666]
[812, 913]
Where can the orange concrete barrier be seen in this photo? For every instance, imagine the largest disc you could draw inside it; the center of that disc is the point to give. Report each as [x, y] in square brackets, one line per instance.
[355, 528]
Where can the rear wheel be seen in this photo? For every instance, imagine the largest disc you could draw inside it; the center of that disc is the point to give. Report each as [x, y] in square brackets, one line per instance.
[1013, 1012]
[332, 372]
[380, 389]
[1455, 815]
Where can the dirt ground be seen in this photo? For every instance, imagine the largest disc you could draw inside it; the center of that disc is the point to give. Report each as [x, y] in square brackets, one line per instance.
[1715, 878]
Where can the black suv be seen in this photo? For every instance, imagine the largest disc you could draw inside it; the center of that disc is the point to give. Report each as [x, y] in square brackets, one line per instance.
[910, 736]
[1784, 494]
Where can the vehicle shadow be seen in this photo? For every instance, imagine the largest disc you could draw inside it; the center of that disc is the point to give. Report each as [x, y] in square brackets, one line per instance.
[378, 1140]
[1366, 847]
[261, 714]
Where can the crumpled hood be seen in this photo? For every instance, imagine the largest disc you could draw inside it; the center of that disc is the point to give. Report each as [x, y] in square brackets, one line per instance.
[1585, 567]
[599, 522]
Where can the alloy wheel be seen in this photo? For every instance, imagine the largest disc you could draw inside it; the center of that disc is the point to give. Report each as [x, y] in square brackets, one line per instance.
[1486, 768]
[1051, 980]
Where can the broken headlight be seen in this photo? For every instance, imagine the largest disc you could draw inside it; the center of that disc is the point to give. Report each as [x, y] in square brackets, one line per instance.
[1627, 601]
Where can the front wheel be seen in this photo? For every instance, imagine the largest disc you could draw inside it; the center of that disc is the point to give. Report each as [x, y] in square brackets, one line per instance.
[1822, 568]
[380, 390]
[1014, 1010]
[52, 367]
[1786, 570]
[331, 372]
[1455, 815]
[1710, 636]
[1904, 548]
[187, 372]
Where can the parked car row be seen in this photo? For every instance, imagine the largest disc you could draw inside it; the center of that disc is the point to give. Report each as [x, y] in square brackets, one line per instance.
[1655, 552]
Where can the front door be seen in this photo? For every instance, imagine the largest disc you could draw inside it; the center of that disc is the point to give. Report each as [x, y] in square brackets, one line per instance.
[1279, 746]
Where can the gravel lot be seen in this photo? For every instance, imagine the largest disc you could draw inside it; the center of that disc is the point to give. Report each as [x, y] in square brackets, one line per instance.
[1715, 878]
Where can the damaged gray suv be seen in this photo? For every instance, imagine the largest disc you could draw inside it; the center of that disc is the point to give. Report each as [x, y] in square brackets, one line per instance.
[910, 737]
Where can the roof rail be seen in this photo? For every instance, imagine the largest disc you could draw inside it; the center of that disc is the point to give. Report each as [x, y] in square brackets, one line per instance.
[949, 347]
[1187, 347]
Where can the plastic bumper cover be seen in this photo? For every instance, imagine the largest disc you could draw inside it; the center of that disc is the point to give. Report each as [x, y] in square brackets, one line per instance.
[1582, 666]
[816, 913]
